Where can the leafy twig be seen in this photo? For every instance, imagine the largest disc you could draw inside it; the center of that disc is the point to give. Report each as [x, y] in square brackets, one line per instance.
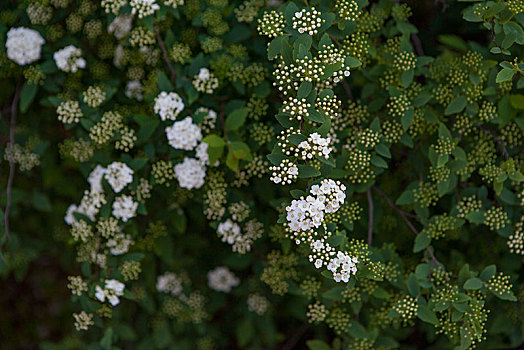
[11, 160]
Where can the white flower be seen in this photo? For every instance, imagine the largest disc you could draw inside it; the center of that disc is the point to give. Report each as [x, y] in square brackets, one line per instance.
[134, 90]
[318, 263]
[222, 280]
[24, 45]
[119, 244]
[112, 290]
[168, 105]
[190, 173]
[124, 208]
[69, 217]
[95, 178]
[169, 283]
[143, 7]
[184, 134]
[118, 175]
[201, 153]
[68, 59]
[121, 26]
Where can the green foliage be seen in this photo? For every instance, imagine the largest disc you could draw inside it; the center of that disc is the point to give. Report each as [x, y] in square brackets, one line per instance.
[245, 174]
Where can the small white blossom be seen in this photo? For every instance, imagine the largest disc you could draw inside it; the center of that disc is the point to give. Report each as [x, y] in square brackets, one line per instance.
[118, 175]
[143, 7]
[23, 45]
[124, 208]
[190, 173]
[95, 178]
[168, 105]
[68, 59]
[112, 290]
[222, 280]
[184, 134]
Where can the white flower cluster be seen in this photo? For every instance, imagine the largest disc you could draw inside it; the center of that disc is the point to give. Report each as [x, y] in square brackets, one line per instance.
[119, 243]
[205, 81]
[68, 59]
[201, 153]
[168, 105]
[221, 279]
[134, 90]
[169, 282]
[304, 214]
[285, 173]
[314, 146]
[231, 232]
[307, 21]
[118, 175]
[297, 108]
[124, 208]
[113, 6]
[143, 7]
[121, 26]
[95, 178]
[112, 290]
[257, 303]
[89, 206]
[23, 45]
[174, 3]
[190, 173]
[341, 265]
[184, 134]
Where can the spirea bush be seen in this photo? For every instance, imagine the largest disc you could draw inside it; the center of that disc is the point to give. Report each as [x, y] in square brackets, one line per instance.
[222, 174]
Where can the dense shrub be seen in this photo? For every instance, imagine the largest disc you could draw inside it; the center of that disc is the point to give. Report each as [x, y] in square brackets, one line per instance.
[262, 174]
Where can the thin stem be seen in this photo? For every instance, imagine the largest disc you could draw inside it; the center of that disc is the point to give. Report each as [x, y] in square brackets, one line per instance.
[165, 55]
[11, 160]
[410, 225]
[370, 218]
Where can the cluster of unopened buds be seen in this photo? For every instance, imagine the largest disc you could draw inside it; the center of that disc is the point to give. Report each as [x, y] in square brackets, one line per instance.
[285, 173]
[205, 81]
[297, 108]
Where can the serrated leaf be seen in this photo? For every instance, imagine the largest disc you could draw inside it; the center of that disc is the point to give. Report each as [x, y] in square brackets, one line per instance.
[505, 75]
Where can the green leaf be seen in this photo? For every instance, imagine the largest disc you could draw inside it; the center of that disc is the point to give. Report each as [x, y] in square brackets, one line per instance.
[317, 345]
[236, 119]
[488, 272]
[275, 47]
[241, 150]
[163, 82]
[213, 140]
[505, 75]
[456, 105]
[412, 284]
[378, 161]
[357, 330]
[305, 171]
[107, 339]
[517, 101]
[334, 293]
[245, 332]
[27, 96]
[427, 315]
[422, 241]
[473, 284]
[407, 77]
[304, 89]
[405, 198]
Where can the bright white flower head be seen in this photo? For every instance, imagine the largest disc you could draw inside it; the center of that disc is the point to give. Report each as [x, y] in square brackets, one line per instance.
[119, 175]
[190, 173]
[201, 153]
[124, 208]
[95, 178]
[69, 217]
[221, 279]
[24, 45]
[184, 134]
[168, 105]
[68, 59]
[112, 290]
